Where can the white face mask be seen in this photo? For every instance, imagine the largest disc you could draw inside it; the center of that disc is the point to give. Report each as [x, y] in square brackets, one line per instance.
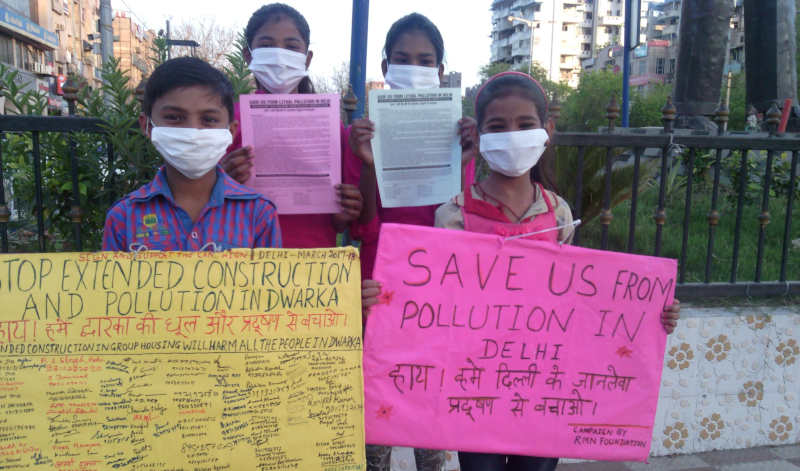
[278, 70]
[400, 77]
[513, 153]
[193, 152]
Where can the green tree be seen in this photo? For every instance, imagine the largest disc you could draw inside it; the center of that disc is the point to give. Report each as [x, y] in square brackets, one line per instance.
[159, 51]
[585, 108]
[100, 181]
[236, 70]
[738, 105]
[646, 106]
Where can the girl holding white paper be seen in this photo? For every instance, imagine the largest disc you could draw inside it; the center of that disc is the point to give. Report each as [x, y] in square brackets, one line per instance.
[278, 54]
[413, 59]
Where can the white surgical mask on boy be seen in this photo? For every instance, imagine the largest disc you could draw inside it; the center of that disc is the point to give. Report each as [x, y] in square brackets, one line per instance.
[513, 153]
[278, 70]
[193, 152]
[400, 77]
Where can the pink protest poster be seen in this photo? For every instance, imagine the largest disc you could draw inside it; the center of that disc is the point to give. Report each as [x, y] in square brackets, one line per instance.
[518, 347]
[297, 145]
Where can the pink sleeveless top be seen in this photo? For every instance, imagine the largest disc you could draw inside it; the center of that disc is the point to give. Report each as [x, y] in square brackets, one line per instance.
[480, 216]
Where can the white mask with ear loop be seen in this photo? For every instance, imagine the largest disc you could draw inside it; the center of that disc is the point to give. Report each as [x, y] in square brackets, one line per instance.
[513, 153]
[400, 77]
[278, 70]
[193, 152]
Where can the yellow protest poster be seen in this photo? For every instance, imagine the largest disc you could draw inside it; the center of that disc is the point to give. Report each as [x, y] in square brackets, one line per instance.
[240, 360]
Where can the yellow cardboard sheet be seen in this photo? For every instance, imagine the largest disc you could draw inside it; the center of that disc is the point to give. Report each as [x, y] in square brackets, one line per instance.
[242, 360]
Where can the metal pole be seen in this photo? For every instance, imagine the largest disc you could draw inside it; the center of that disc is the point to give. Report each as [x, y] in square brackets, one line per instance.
[530, 61]
[169, 47]
[358, 55]
[106, 31]
[626, 66]
[106, 39]
[552, 43]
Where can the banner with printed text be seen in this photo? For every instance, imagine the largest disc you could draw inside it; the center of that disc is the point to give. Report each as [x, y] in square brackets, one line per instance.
[246, 359]
[514, 346]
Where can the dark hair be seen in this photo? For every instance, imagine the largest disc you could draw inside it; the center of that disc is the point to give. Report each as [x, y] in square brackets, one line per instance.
[523, 85]
[510, 83]
[275, 12]
[187, 72]
[414, 22]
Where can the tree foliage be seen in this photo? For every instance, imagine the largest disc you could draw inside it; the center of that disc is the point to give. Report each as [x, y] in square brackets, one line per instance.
[236, 68]
[100, 180]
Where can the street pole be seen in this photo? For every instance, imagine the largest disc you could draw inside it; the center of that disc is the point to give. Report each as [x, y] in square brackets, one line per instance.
[106, 32]
[626, 65]
[358, 55]
[169, 47]
[552, 42]
[530, 61]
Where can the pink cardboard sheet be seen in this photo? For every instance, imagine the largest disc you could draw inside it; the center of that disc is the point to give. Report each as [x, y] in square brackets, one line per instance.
[517, 347]
[298, 156]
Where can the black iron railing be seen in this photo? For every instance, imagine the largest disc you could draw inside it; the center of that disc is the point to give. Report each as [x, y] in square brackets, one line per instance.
[657, 147]
[626, 144]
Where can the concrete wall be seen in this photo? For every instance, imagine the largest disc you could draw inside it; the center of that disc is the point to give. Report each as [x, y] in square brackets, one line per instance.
[731, 380]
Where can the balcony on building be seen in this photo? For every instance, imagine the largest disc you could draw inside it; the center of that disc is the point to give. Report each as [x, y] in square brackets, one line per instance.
[611, 20]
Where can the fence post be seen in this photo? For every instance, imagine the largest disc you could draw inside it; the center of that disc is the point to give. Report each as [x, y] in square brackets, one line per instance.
[75, 213]
[555, 110]
[668, 113]
[772, 121]
[70, 89]
[606, 216]
[721, 119]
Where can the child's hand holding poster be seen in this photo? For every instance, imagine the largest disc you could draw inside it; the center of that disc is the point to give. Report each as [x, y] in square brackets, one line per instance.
[516, 346]
[296, 140]
[416, 145]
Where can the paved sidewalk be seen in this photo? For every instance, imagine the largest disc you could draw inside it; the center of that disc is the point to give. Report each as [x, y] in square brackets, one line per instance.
[772, 458]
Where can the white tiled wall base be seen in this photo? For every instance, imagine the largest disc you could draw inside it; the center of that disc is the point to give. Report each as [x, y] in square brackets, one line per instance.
[731, 380]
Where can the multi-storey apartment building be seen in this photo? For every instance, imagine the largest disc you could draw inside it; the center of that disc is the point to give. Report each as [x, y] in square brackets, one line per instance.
[27, 45]
[133, 47]
[562, 32]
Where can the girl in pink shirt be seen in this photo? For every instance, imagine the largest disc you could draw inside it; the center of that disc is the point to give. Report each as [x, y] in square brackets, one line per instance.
[277, 38]
[413, 54]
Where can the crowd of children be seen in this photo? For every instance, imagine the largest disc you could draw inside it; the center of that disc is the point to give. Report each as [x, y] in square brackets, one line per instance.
[198, 200]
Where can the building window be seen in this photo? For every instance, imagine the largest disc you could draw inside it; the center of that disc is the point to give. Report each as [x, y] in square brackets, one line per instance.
[586, 47]
[609, 30]
[671, 66]
[588, 15]
[660, 66]
[565, 28]
[6, 50]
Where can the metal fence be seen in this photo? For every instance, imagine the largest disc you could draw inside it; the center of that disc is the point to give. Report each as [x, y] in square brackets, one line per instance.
[35, 126]
[636, 143]
[721, 145]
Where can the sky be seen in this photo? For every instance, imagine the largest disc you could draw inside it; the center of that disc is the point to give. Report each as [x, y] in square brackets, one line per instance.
[465, 26]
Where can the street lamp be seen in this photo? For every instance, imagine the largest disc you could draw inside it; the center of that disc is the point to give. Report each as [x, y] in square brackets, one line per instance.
[512, 19]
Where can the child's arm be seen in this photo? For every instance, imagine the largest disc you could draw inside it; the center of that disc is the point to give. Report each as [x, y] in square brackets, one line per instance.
[670, 316]
[238, 163]
[351, 202]
[361, 133]
[468, 133]
[370, 290]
